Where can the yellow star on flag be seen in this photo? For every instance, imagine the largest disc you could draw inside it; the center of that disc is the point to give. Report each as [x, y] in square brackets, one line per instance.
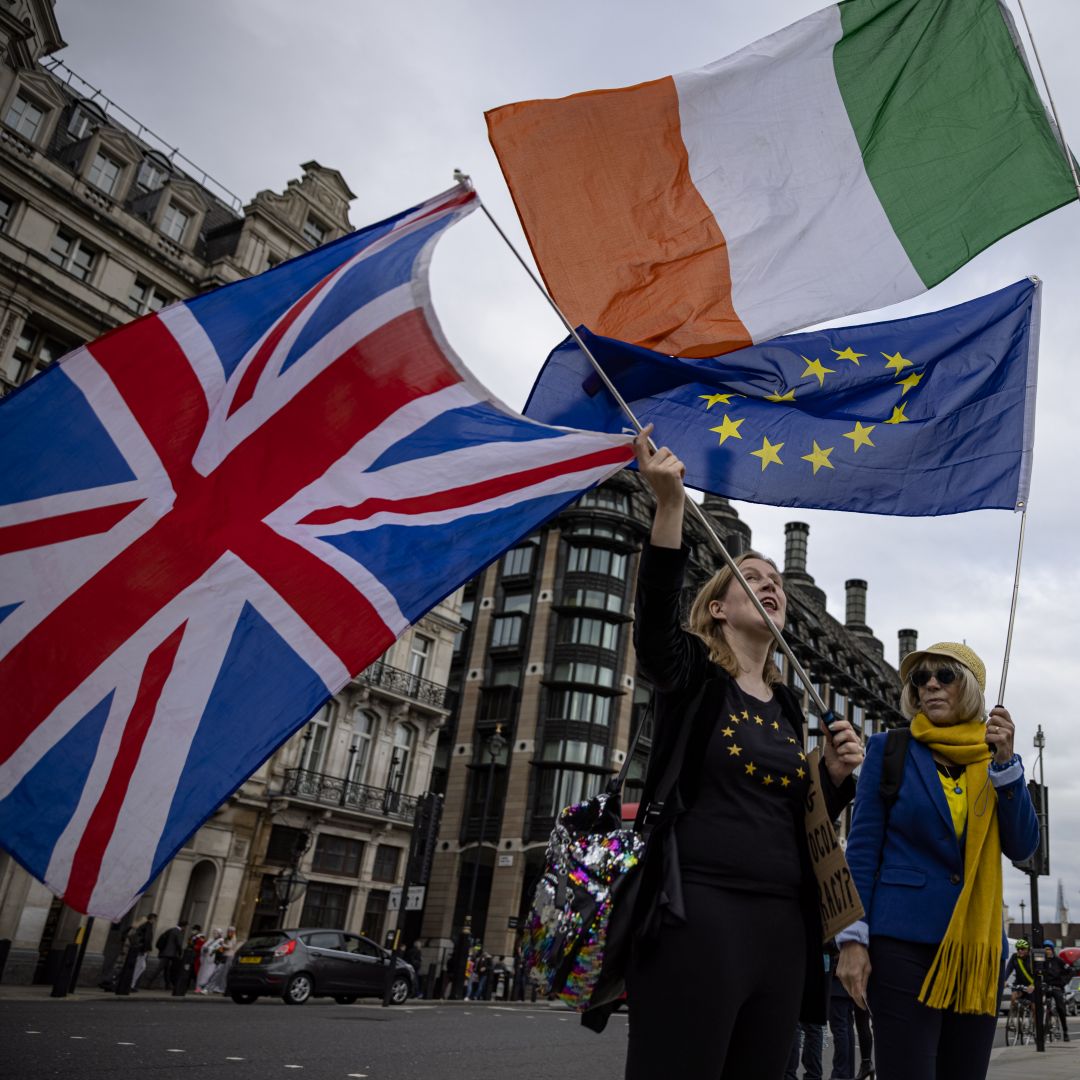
[766, 779]
[896, 362]
[800, 772]
[734, 718]
[746, 714]
[898, 416]
[768, 453]
[728, 429]
[802, 756]
[860, 436]
[819, 458]
[751, 768]
[789, 396]
[775, 725]
[790, 739]
[759, 720]
[909, 383]
[785, 782]
[849, 354]
[734, 750]
[818, 370]
[727, 732]
[718, 399]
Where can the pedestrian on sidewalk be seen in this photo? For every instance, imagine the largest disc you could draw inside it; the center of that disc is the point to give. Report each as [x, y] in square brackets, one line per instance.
[727, 900]
[927, 866]
[170, 947]
[208, 960]
[809, 1043]
[415, 958]
[142, 941]
[842, 1026]
[223, 958]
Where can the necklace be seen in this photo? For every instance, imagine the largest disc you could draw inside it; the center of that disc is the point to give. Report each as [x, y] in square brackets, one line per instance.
[955, 773]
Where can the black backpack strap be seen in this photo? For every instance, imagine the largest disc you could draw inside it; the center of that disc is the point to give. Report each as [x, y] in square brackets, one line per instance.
[892, 767]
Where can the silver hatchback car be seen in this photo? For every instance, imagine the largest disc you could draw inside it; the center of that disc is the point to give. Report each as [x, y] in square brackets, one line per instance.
[296, 965]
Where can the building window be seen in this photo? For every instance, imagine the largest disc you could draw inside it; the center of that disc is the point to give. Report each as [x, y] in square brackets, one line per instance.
[401, 759]
[581, 706]
[419, 653]
[374, 913]
[337, 855]
[285, 846]
[314, 740]
[385, 867]
[314, 232]
[839, 706]
[73, 254]
[575, 671]
[518, 561]
[7, 208]
[104, 173]
[597, 632]
[858, 716]
[152, 174]
[145, 297]
[594, 598]
[35, 350]
[80, 124]
[606, 499]
[360, 745]
[561, 787]
[584, 560]
[325, 905]
[174, 222]
[26, 117]
[506, 631]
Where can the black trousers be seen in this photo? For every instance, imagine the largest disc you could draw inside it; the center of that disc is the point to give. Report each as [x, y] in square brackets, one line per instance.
[913, 1042]
[717, 998]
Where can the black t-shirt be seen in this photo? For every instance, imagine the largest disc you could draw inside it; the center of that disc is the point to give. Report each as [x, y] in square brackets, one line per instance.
[743, 830]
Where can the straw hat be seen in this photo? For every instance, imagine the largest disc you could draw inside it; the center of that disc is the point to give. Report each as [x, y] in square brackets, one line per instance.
[954, 651]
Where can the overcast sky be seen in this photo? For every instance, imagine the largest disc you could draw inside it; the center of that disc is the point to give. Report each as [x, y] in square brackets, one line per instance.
[393, 95]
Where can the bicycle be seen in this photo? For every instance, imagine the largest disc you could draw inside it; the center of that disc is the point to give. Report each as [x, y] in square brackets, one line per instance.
[1020, 1024]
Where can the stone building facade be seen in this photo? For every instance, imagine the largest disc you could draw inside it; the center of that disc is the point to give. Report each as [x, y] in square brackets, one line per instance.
[101, 222]
[547, 659]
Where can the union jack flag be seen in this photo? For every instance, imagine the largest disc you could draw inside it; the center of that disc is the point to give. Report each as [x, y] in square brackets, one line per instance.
[214, 517]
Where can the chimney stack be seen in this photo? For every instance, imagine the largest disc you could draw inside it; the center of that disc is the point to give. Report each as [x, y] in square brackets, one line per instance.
[908, 642]
[855, 606]
[795, 534]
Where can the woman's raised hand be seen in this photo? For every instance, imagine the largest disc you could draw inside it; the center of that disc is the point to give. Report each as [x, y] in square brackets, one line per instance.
[664, 473]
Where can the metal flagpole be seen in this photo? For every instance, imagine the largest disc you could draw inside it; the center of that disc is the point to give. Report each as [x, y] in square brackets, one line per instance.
[1053, 109]
[718, 544]
[1012, 607]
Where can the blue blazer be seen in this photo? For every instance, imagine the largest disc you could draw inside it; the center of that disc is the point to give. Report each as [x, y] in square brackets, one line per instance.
[909, 879]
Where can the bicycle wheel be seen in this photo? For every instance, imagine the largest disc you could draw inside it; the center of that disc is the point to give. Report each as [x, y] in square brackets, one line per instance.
[1026, 1025]
[1012, 1027]
[1052, 1026]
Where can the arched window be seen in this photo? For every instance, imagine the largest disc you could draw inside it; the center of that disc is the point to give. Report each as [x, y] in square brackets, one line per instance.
[401, 761]
[360, 744]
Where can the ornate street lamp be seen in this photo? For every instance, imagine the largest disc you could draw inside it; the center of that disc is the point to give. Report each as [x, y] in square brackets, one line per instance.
[289, 886]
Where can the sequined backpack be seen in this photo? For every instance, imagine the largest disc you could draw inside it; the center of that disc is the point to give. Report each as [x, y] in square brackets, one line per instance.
[578, 930]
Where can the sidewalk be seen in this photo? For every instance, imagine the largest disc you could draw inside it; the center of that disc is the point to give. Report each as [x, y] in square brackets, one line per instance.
[1061, 1061]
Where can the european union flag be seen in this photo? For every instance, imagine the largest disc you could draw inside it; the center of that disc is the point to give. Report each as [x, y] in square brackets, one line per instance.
[928, 415]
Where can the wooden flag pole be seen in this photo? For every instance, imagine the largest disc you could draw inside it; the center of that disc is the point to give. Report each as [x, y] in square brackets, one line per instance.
[1064, 149]
[696, 510]
[1012, 607]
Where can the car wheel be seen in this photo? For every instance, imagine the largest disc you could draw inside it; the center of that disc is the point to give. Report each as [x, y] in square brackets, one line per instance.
[298, 989]
[399, 991]
[243, 999]
[345, 999]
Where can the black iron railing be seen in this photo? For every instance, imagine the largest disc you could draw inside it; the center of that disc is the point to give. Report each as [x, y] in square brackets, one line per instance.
[411, 686]
[338, 791]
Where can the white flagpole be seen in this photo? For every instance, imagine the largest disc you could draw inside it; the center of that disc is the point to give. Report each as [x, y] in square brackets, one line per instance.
[1061, 136]
[696, 510]
[1012, 607]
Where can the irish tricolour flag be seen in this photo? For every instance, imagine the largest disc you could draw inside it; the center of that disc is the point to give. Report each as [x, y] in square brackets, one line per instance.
[847, 162]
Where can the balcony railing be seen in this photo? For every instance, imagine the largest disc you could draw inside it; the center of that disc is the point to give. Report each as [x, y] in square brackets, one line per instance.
[402, 682]
[338, 791]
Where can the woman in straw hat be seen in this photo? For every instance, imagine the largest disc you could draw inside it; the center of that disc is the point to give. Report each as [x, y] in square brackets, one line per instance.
[929, 956]
[728, 954]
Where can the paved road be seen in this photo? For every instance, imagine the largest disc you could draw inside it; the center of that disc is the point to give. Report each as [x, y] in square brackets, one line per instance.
[107, 1038]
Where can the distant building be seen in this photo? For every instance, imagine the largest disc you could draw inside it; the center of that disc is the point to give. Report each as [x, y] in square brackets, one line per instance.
[547, 659]
[101, 222]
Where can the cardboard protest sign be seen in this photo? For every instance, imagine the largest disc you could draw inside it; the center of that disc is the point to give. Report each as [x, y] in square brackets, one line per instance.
[840, 904]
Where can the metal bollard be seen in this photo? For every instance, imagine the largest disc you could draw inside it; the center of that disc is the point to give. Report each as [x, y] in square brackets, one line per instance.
[64, 971]
[5, 948]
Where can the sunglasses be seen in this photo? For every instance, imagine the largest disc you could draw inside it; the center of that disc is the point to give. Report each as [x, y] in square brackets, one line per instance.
[921, 676]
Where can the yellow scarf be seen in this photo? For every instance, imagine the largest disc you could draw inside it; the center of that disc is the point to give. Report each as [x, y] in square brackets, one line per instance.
[964, 974]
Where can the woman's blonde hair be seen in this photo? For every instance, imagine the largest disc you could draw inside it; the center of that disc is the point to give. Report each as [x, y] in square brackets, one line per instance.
[711, 630]
[970, 705]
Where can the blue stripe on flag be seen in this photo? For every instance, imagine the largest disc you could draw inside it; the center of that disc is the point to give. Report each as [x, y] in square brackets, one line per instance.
[52, 442]
[472, 425]
[7, 609]
[37, 811]
[263, 693]
[414, 561]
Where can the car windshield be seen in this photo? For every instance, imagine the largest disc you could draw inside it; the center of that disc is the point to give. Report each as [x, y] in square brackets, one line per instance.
[265, 941]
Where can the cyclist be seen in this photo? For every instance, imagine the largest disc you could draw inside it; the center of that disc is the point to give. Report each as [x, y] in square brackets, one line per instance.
[1056, 976]
[1020, 968]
